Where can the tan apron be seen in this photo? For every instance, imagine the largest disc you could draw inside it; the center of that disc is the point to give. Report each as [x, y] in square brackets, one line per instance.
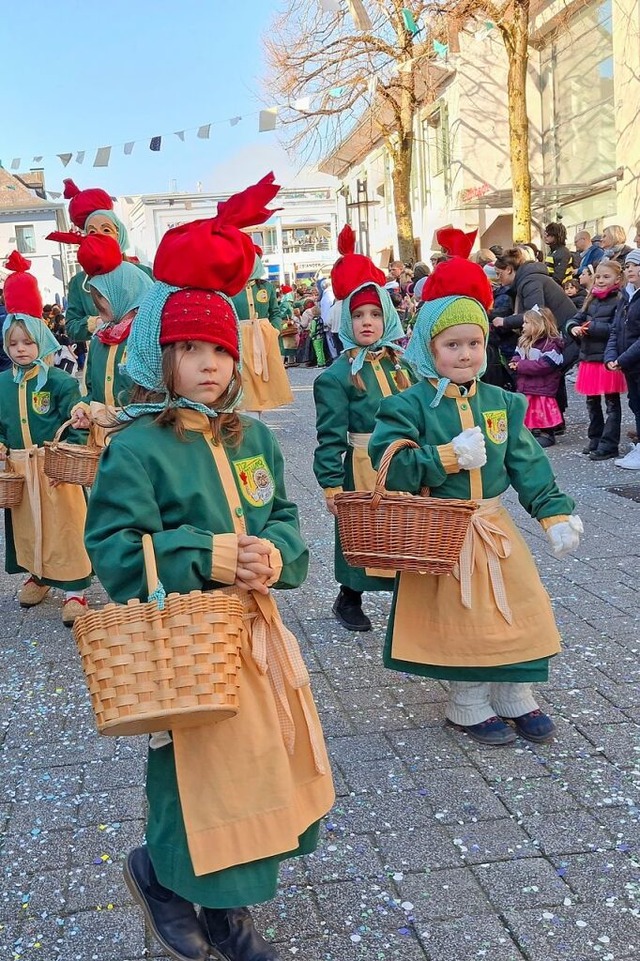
[48, 524]
[264, 379]
[230, 816]
[493, 610]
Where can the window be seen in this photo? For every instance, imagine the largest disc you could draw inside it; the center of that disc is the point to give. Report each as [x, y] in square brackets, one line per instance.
[26, 239]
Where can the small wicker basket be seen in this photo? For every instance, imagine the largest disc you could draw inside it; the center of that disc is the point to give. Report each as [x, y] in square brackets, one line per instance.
[71, 463]
[11, 487]
[154, 670]
[403, 532]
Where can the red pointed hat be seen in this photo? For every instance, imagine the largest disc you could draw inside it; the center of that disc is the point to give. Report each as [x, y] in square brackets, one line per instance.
[83, 203]
[21, 293]
[460, 278]
[352, 270]
[455, 242]
[97, 253]
[215, 254]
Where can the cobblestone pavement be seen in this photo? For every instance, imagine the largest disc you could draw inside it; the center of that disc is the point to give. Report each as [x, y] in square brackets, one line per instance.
[436, 849]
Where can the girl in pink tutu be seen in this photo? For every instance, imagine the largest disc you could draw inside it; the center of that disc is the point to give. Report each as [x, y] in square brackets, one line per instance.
[591, 327]
[538, 366]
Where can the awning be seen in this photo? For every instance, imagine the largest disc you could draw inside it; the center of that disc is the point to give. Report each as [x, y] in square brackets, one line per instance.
[555, 195]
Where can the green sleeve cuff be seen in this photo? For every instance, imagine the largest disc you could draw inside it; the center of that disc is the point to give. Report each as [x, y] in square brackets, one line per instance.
[225, 558]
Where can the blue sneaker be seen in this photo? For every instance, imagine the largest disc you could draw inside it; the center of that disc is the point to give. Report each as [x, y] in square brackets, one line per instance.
[534, 726]
[493, 731]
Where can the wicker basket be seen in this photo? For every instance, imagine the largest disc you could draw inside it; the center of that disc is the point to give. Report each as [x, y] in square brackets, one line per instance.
[11, 487]
[402, 532]
[153, 670]
[71, 463]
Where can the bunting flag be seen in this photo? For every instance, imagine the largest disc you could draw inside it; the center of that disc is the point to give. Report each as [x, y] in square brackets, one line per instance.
[441, 49]
[337, 91]
[65, 158]
[155, 143]
[128, 147]
[409, 22]
[359, 15]
[302, 105]
[15, 163]
[330, 6]
[80, 157]
[204, 131]
[235, 121]
[37, 160]
[102, 157]
[180, 135]
[268, 119]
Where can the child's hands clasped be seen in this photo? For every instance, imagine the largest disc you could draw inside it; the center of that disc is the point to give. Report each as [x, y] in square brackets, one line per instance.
[469, 448]
[80, 420]
[253, 569]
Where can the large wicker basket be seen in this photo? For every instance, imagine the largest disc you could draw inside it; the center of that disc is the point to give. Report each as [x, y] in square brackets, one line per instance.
[71, 463]
[403, 532]
[154, 670]
[11, 487]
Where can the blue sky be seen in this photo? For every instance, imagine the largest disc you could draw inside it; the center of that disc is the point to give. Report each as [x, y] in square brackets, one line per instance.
[81, 74]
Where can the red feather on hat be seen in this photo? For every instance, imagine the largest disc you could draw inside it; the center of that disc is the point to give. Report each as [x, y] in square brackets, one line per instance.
[352, 270]
[455, 242]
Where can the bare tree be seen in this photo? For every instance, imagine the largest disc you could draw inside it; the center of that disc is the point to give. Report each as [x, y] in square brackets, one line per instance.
[512, 20]
[362, 64]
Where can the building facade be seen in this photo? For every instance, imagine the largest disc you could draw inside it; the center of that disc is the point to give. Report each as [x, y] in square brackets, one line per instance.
[583, 98]
[298, 241]
[26, 217]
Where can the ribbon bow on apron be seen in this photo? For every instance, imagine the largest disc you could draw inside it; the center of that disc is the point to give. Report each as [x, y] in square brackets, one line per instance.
[497, 547]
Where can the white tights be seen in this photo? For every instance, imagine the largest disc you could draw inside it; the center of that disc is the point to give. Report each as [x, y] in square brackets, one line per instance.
[472, 702]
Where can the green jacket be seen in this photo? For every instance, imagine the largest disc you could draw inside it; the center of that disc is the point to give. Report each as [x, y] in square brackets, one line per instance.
[46, 410]
[104, 382]
[265, 302]
[152, 481]
[514, 457]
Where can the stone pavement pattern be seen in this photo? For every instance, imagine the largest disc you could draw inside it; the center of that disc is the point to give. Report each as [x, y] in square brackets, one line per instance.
[436, 849]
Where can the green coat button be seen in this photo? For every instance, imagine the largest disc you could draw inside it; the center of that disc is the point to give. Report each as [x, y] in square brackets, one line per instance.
[239, 512]
[108, 379]
[464, 407]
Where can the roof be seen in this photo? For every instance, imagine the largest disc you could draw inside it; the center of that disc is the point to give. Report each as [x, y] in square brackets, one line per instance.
[15, 196]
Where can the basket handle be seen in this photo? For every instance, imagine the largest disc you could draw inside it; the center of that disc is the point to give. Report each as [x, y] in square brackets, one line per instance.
[385, 463]
[58, 434]
[150, 566]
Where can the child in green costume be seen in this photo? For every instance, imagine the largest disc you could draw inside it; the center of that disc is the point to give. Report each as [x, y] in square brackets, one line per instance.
[228, 801]
[488, 629]
[347, 396]
[44, 532]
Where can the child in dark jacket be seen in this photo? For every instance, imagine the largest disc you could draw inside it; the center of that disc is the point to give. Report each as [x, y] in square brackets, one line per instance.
[592, 327]
[622, 352]
[537, 363]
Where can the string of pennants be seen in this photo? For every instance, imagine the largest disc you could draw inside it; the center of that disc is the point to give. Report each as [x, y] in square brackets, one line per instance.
[267, 118]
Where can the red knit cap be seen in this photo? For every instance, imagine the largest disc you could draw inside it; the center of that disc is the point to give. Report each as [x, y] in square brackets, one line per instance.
[286, 289]
[215, 254]
[21, 293]
[83, 203]
[368, 295]
[352, 270]
[200, 315]
[455, 242]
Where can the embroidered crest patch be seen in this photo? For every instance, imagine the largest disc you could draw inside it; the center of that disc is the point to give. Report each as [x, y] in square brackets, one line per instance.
[41, 401]
[496, 425]
[262, 295]
[256, 481]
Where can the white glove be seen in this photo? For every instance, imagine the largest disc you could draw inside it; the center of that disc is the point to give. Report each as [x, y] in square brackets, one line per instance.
[565, 536]
[469, 448]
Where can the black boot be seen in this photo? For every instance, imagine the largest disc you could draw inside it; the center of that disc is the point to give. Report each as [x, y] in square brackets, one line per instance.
[348, 609]
[172, 920]
[231, 932]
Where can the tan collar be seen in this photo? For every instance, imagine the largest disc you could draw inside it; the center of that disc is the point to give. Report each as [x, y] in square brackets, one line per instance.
[453, 390]
[193, 420]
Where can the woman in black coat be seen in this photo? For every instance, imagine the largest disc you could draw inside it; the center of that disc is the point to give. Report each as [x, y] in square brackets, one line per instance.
[532, 286]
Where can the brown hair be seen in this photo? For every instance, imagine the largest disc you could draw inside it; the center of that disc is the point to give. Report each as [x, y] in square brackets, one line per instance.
[543, 325]
[226, 428]
[513, 257]
[402, 381]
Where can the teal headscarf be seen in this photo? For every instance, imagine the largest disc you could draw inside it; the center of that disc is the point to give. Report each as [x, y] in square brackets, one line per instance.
[391, 332]
[123, 236]
[42, 337]
[144, 357]
[434, 317]
[124, 288]
[258, 269]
